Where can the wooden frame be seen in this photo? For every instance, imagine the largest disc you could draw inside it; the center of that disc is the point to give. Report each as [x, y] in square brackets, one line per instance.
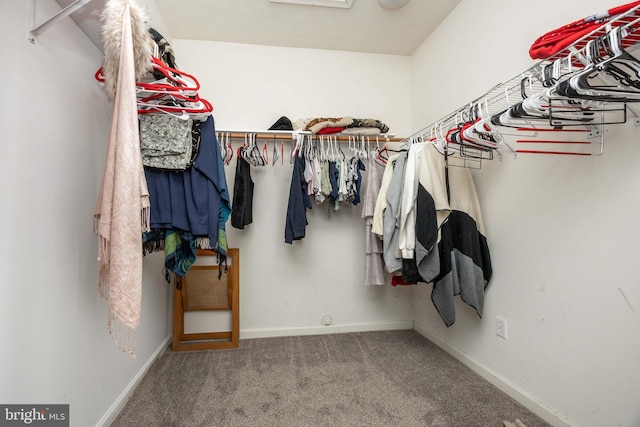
[201, 277]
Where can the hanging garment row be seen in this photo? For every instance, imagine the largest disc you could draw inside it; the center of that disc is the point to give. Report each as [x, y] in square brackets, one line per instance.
[267, 147]
[335, 174]
[332, 175]
[426, 227]
[422, 219]
[161, 149]
[183, 167]
[560, 105]
[189, 208]
[164, 88]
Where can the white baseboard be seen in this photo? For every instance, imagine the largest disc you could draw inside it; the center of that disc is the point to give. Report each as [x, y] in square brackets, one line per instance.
[516, 393]
[319, 330]
[109, 417]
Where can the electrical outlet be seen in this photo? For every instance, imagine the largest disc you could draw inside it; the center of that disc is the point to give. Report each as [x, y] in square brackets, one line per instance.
[501, 327]
[327, 320]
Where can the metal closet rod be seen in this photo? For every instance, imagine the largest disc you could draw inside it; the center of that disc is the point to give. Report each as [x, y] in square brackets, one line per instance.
[240, 133]
[54, 19]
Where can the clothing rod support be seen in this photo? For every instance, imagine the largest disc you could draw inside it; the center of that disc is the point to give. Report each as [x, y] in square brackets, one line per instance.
[54, 19]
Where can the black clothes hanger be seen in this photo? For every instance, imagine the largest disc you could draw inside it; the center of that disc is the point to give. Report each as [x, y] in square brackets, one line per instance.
[613, 75]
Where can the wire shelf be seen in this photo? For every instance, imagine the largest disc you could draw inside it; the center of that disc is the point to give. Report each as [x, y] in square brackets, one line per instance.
[571, 136]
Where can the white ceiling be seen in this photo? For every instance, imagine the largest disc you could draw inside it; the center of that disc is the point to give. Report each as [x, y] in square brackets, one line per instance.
[365, 27]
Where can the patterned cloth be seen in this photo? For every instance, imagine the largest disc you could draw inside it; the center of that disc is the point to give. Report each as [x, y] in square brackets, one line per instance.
[195, 200]
[369, 123]
[179, 252]
[166, 141]
[353, 180]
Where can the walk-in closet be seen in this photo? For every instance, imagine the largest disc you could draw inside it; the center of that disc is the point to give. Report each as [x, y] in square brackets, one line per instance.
[379, 213]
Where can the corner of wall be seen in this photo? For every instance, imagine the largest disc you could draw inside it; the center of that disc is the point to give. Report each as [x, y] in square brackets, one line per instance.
[112, 413]
[515, 392]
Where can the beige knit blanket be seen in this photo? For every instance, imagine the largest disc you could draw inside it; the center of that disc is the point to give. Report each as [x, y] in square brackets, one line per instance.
[122, 209]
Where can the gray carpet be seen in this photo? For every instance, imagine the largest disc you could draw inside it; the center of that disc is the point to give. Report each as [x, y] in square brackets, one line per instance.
[387, 378]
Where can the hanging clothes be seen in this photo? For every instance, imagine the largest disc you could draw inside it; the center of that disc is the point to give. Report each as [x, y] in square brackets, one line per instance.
[179, 252]
[465, 263]
[242, 209]
[309, 175]
[195, 200]
[391, 220]
[359, 168]
[374, 267]
[334, 179]
[353, 180]
[210, 192]
[325, 182]
[317, 181]
[407, 219]
[432, 228]
[381, 201]
[442, 236]
[122, 206]
[299, 201]
[430, 205]
[342, 178]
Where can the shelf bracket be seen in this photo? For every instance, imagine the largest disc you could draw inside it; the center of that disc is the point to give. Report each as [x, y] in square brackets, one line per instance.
[54, 19]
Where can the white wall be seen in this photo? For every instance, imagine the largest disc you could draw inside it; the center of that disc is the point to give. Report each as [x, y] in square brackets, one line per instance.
[287, 289]
[562, 233]
[251, 86]
[561, 230]
[53, 127]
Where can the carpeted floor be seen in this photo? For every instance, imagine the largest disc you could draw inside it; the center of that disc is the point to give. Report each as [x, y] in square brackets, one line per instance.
[387, 378]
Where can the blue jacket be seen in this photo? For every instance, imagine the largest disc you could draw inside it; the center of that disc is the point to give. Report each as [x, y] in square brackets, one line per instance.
[197, 199]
